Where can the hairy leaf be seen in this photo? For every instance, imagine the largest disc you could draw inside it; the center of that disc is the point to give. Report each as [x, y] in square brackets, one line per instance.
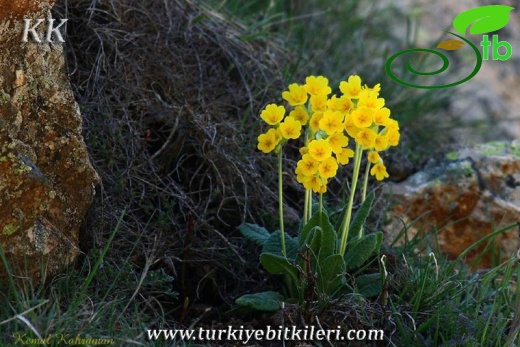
[255, 233]
[328, 242]
[331, 274]
[318, 220]
[273, 245]
[369, 285]
[361, 215]
[278, 265]
[359, 251]
[264, 301]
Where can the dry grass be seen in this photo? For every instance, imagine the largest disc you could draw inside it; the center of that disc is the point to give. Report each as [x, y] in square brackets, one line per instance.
[163, 86]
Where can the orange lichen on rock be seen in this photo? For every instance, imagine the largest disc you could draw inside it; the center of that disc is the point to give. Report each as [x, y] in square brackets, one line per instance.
[18, 9]
[460, 201]
[46, 179]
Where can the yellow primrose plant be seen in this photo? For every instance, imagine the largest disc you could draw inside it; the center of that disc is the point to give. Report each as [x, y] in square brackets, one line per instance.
[334, 131]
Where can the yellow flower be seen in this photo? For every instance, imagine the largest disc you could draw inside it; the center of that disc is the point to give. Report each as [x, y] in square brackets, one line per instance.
[317, 85]
[376, 89]
[319, 102]
[320, 149]
[304, 150]
[342, 104]
[382, 116]
[362, 117]
[392, 124]
[344, 156]
[373, 157]
[316, 184]
[351, 129]
[332, 122]
[369, 99]
[379, 170]
[337, 141]
[266, 142]
[328, 168]
[366, 137]
[307, 165]
[290, 128]
[393, 137]
[300, 177]
[315, 121]
[351, 88]
[380, 143]
[296, 95]
[273, 114]
[300, 114]
[277, 135]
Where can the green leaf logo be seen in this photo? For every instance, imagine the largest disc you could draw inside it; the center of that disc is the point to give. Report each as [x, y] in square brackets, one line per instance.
[483, 19]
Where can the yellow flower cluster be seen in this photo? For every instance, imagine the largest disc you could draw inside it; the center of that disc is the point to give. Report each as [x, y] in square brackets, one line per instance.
[283, 129]
[358, 114]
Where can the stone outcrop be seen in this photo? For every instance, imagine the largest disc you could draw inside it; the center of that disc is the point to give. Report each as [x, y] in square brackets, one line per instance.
[463, 197]
[46, 179]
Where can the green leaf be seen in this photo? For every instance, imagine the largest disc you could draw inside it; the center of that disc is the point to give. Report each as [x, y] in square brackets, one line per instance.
[318, 220]
[369, 285]
[255, 233]
[485, 19]
[311, 224]
[321, 239]
[273, 245]
[331, 274]
[359, 251]
[328, 243]
[315, 242]
[361, 215]
[278, 265]
[264, 301]
[322, 245]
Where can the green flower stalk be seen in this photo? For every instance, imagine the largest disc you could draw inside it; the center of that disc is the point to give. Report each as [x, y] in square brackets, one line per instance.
[348, 214]
[364, 193]
[280, 200]
[307, 208]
